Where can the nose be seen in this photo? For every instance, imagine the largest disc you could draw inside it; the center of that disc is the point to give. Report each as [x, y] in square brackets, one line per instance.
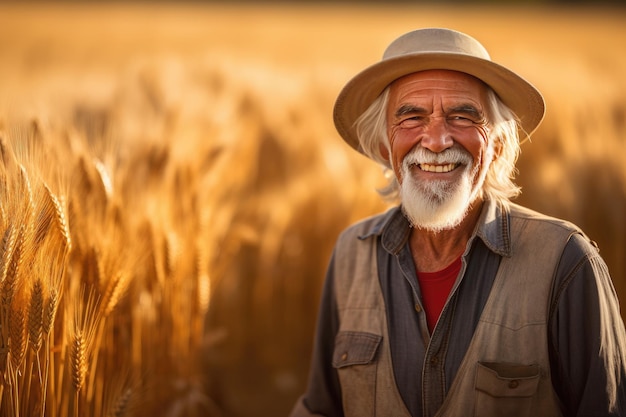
[436, 135]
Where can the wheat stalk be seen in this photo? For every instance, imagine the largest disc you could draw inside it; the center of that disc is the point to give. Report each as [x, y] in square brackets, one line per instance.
[49, 314]
[35, 340]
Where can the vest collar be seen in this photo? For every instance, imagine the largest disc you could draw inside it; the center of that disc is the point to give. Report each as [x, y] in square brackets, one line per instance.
[494, 227]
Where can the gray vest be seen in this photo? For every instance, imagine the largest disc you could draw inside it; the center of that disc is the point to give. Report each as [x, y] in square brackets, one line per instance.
[496, 377]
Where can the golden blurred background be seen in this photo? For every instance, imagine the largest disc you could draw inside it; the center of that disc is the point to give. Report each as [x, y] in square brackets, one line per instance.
[209, 127]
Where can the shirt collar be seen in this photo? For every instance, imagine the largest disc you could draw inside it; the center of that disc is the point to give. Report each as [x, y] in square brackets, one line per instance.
[493, 228]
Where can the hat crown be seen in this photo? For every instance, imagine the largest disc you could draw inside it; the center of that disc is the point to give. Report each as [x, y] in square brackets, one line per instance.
[435, 40]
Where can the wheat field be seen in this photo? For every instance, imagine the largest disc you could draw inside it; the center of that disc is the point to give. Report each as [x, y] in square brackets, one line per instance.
[172, 185]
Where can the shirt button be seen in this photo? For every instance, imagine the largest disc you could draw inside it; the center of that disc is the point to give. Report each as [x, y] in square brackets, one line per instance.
[418, 308]
[514, 384]
[344, 356]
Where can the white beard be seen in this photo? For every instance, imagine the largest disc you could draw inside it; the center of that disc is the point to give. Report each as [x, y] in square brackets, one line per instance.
[438, 205]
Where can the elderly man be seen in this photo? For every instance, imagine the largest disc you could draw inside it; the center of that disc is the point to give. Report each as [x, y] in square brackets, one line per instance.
[458, 302]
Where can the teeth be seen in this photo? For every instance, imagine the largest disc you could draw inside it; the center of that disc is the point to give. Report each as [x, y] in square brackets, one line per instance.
[437, 168]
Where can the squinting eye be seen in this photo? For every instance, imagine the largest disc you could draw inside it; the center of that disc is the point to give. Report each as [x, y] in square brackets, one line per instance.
[460, 121]
[411, 122]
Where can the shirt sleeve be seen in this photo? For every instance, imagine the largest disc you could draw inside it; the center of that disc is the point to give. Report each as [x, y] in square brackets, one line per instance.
[587, 337]
[323, 394]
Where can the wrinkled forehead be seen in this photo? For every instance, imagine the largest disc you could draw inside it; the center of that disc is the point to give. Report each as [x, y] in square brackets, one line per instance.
[439, 79]
[452, 87]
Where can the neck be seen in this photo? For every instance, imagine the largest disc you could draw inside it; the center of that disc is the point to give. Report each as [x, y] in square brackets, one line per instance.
[433, 251]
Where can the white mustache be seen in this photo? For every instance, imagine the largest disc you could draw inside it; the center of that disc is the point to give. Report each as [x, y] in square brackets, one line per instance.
[420, 155]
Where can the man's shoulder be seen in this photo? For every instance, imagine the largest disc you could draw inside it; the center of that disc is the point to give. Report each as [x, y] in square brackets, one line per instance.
[517, 212]
[578, 243]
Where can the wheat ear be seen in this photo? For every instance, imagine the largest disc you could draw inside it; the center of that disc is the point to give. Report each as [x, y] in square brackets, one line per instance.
[11, 270]
[26, 191]
[85, 327]
[61, 218]
[44, 219]
[18, 336]
[122, 404]
[9, 239]
[35, 315]
[8, 247]
[50, 310]
[78, 352]
[114, 291]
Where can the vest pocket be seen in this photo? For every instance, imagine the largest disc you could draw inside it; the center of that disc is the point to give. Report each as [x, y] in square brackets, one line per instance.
[505, 389]
[354, 358]
[355, 348]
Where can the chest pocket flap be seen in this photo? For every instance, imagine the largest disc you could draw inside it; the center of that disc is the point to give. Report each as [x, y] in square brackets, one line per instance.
[355, 348]
[507, 380]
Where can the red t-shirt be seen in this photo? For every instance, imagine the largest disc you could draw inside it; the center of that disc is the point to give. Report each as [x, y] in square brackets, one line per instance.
[436, 287]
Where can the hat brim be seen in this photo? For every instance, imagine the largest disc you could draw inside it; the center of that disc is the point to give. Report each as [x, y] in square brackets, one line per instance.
[359, 93]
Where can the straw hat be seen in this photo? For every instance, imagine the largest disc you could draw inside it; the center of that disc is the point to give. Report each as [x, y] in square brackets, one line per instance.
[435, 48]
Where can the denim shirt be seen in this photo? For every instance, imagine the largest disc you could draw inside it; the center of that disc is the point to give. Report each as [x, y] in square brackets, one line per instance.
[580, 289]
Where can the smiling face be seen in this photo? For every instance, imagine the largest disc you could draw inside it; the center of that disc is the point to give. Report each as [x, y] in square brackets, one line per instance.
[440, 149]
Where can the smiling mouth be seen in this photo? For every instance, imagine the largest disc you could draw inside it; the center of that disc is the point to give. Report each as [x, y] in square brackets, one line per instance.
[437, 168]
